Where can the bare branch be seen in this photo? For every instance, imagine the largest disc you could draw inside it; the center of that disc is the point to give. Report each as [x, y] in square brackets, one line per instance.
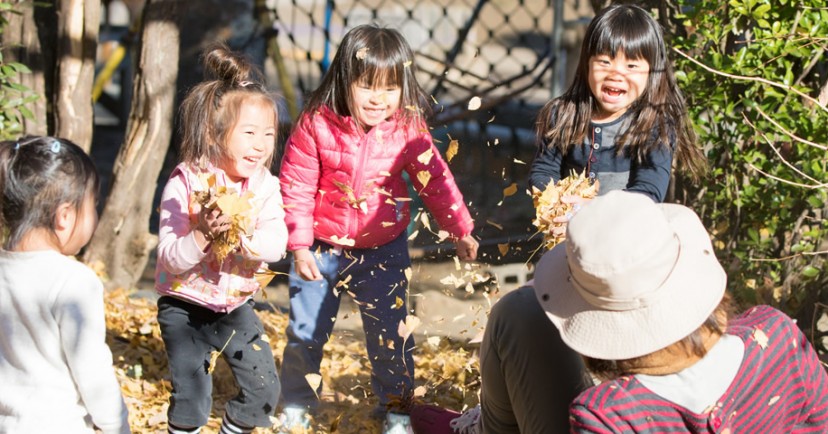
[790, 134]
[747, 78]
[795, 184]
[778, 154]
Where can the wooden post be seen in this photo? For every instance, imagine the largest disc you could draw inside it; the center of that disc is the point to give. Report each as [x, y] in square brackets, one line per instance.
[122, 241]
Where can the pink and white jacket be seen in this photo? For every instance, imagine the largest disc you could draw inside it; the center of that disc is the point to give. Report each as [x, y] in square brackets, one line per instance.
[346, 188]
[186, 272]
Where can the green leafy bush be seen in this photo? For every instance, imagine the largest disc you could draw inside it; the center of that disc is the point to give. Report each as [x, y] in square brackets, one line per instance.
[13, 96]
[752, 71]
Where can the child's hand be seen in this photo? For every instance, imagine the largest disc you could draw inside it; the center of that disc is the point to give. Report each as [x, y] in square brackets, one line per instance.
[577, 202]
[210, 224]
[466, 248]
[305, 265]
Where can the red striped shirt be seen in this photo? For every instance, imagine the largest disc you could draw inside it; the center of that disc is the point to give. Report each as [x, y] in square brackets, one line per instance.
[780, 387]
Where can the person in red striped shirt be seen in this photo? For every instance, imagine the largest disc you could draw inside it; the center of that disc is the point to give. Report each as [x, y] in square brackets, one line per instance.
[643, 300]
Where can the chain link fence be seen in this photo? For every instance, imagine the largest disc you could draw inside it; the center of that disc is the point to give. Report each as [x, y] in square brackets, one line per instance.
[504, 52]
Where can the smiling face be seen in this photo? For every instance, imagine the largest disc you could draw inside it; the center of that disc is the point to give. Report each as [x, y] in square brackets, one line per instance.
[374, 104]
[616, 83]
[251, 141]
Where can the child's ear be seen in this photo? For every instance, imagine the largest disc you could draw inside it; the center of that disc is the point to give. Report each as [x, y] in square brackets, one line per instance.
[65, 221]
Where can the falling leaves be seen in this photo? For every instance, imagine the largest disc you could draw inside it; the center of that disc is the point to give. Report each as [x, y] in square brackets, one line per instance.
[548, 204]
[407, 327]
[426, 156]
[503, 249]
[453, 148]
[343, 240]
[474, 103]
[424, 177]
[215, 354]
[760, 337]
[314, 381]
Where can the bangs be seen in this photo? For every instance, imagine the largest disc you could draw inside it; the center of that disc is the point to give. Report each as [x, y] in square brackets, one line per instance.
[380, 69]
[628, 32]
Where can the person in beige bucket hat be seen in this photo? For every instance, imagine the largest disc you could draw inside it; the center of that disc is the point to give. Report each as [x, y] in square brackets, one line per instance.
[637, 290]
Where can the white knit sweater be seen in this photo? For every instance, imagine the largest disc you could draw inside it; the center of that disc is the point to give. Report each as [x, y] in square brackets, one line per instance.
[56, 371]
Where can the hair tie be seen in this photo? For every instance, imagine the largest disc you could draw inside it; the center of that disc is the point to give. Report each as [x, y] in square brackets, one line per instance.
[55, 146]
[16, 146]
[245, 83]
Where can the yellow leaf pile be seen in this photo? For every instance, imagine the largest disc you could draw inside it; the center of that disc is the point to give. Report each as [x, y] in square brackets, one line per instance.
[230, 203]
[446, 372]
[548, 204]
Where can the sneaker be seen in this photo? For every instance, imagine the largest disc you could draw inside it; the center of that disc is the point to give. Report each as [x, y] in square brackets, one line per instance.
[396, 423]
[294, 419]
[468, 422]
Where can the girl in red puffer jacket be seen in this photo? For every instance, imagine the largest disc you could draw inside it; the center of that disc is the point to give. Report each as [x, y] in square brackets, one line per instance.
[346, 205]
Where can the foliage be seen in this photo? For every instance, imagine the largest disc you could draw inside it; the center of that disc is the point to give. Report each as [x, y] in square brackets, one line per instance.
[13, 96]
[751, 71]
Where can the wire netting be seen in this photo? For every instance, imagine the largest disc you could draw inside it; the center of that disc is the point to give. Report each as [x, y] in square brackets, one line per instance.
[497, 50]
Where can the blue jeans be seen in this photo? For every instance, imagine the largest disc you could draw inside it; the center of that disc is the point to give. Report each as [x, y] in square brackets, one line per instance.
[377, 280]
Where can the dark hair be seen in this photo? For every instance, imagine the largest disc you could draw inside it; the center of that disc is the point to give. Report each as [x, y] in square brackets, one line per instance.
[38, 175]
[658, 116]
[379, 57]
[211, 108]
[692, 344]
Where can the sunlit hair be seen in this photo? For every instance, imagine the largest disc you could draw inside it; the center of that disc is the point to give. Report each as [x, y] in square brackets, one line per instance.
[38, 175]
[375, 56]
[658, 116]
[211, 109]
[692, 344]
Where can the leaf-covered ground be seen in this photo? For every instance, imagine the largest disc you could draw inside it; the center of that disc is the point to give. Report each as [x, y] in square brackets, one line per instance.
[446, 372]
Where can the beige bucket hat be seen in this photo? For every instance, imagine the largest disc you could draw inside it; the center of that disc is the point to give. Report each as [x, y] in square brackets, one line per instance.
[632, 277]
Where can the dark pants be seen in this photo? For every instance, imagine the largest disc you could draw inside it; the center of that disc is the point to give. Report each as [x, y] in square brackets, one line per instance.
[529, 376]
[191, 333]
[376, 278]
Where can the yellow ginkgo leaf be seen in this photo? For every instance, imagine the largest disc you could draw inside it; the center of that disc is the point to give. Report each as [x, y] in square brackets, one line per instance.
[426, 156]
[510, 190]
[760, 337]
[343, 241]
[423, 176]
[314, 381]
[453, 147]
[406, 328]
[503, 248]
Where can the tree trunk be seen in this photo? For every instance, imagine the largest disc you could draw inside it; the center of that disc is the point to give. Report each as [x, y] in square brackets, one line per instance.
[122, 241]
[21, 36]
[78, 23]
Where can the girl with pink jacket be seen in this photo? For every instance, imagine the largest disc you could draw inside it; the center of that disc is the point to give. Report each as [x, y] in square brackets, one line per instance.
[206, 304]
[346, 205]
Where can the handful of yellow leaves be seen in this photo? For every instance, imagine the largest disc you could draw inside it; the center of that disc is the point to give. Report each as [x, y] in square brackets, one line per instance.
[230, 203]
[548, 204]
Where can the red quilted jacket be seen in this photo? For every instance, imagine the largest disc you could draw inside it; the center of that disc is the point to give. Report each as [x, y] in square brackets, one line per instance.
[346, 188]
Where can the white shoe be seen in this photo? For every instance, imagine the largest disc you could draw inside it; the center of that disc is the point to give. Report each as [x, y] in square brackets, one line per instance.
[468, 422]
[396, 423]
[294, 419]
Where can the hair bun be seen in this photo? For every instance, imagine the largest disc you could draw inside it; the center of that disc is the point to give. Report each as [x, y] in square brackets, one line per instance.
[227, 66]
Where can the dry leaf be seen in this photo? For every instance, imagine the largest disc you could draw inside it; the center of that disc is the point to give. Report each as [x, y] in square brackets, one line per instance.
[215, 354]
[343, 241]
[548, 204]
[773, 400]
[424, 220]
[314, 380]
[503, 248]
[424, 176]
[362, 53]
[426, 156]
[510, 190]
[406, 328]
[474, 103]
[760, 337]
[453, 147]
[398, 303]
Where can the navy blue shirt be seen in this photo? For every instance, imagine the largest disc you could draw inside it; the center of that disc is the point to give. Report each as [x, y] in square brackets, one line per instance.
[614, 171]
